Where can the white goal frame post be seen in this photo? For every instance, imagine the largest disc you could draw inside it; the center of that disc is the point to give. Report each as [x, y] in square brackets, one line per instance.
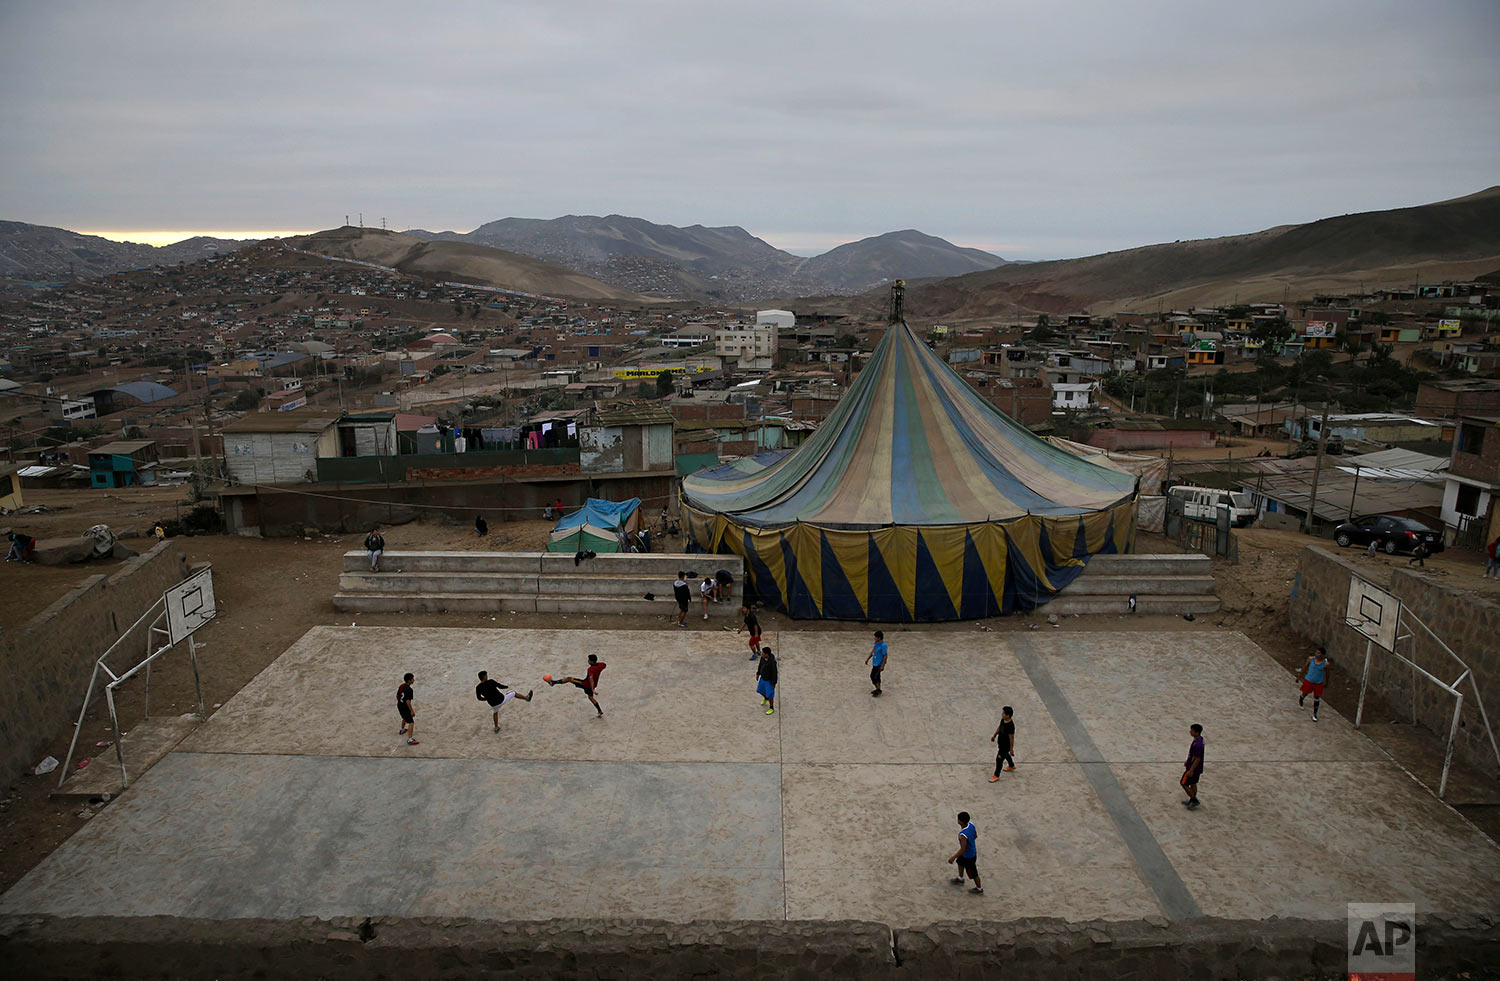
[1385, 622]
[182, 609]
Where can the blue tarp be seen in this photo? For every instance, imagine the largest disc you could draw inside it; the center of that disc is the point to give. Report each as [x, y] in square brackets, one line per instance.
[600, 514]
[600, 526]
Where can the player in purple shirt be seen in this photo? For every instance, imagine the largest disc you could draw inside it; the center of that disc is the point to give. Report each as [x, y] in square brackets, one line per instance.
[1193, 768]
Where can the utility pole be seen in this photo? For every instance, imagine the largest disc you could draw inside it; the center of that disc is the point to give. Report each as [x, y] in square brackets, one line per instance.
[1317, 470]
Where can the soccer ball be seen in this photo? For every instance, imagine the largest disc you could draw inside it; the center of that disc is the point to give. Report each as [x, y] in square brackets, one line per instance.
[546, 677]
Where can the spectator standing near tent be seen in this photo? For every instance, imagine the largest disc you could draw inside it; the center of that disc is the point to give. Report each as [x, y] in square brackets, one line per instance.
[752, 624]
[766, 678]
[375, 545]
[877, 658]
[706, 591]
[683, 595]
[406, 707]
[494, 697]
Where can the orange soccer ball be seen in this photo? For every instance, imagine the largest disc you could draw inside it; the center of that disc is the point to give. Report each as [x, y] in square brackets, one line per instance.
[546, 677]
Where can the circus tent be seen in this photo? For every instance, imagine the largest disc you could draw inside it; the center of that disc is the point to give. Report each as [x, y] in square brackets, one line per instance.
[917, 500]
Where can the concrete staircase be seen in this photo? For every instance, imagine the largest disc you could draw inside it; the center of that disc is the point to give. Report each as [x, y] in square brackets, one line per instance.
[528, 582]
[1160, 584]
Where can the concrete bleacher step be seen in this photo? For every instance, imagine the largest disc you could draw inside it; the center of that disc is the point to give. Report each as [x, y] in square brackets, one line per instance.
[664, 565]
[432, 602]
[528, 582]
[1137, 564]
[1067, 603]
[1087, 585]
[1168, 583]
[403, 581]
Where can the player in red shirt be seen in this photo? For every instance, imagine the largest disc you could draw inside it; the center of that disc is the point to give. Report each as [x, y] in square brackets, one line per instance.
[589, 683]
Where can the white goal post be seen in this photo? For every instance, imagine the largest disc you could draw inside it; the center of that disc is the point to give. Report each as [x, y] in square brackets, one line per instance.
[182, 609]
[1385, 622]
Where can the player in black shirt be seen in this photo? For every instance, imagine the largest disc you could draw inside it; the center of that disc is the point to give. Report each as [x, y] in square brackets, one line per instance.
[406, 705]
[1005, 738]
[684, 596]
[752, 624]
[491, 693]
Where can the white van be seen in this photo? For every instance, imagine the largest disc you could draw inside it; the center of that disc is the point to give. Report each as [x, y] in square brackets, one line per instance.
[1203, 503]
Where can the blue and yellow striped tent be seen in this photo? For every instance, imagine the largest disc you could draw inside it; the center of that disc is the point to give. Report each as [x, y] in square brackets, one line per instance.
[917, 500]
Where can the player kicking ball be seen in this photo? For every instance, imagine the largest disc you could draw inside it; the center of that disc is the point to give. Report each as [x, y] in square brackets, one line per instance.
[494, 698]
[589, 683]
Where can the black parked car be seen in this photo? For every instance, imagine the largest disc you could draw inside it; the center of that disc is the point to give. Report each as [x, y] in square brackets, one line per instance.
[1389, 533]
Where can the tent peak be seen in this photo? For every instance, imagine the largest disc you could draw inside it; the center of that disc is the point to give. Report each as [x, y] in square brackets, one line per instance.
[898, 301]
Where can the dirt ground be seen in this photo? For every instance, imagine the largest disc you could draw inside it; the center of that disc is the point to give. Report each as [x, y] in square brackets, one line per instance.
[270, 592]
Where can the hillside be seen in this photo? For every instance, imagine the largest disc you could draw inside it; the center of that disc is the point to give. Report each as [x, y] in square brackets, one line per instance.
[1453, 239]
[43, 252]
[459, 261]
[725, 262]
[907, 254]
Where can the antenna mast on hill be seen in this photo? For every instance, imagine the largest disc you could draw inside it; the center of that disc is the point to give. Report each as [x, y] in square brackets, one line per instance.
[898, 301]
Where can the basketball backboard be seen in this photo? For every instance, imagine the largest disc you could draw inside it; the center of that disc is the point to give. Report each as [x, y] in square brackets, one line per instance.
[1373, 612]
[190, 604]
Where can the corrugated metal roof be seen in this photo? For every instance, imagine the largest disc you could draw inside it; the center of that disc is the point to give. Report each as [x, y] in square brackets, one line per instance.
[1338, 495]
[142, 391]
[1395, 459]
[282, 422]
[636, 415]
[123, 447]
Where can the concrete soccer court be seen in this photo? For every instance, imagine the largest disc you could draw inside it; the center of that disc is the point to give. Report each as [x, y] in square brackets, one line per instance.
[687, 802]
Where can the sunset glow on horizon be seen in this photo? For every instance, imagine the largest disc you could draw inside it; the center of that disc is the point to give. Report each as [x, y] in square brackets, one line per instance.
[160, 237]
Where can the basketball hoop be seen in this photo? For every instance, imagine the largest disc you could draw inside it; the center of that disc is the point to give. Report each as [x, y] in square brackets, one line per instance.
[1378, 617]
[182, 609]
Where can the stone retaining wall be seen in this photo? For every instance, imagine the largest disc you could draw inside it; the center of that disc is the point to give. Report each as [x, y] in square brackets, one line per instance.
[1467, 623]
[56, 947]
[47, 662]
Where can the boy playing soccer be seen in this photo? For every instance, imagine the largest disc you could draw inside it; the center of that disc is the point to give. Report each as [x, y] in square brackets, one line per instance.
[490, 693]
[1314, 677]
[406, 699]
[589, 683]
[752, 624]
[1005, 737]
[967, 856]
[877, 657]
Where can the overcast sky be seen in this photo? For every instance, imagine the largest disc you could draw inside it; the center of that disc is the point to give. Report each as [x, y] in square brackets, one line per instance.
[1031, 129]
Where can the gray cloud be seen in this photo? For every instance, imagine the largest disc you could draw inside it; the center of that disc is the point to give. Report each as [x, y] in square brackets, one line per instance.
[1042, 129]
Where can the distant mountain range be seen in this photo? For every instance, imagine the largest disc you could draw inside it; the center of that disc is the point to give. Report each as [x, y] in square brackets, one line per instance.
[43, 252]
[620, 258]
[459, 261]
[726, 263]
[1457, 239]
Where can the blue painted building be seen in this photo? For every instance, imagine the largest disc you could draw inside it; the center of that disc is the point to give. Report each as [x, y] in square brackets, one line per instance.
[125, 463]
